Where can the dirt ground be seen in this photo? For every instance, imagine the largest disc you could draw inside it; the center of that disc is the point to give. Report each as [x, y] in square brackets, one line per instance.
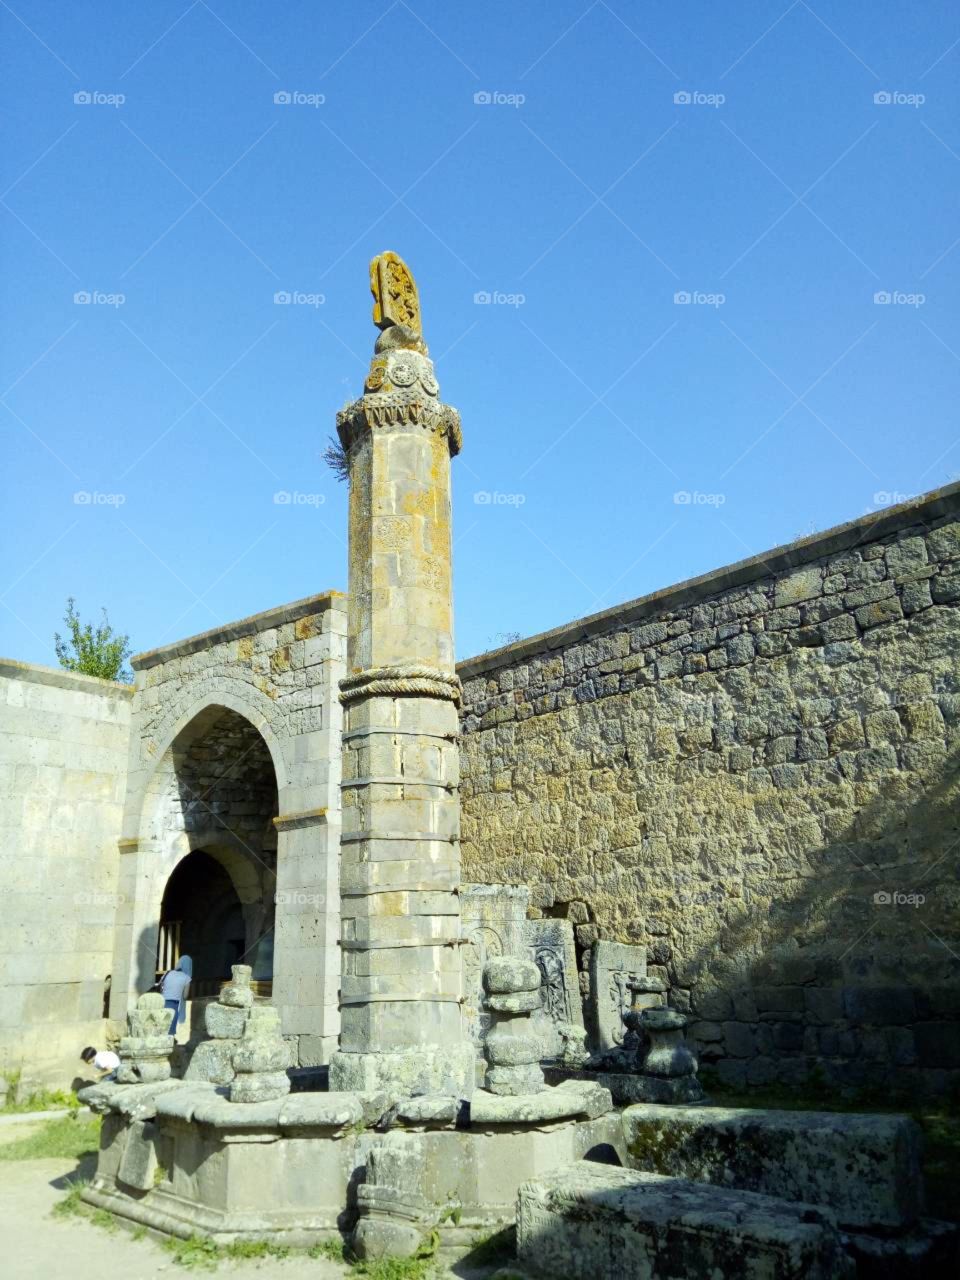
[38, 1246]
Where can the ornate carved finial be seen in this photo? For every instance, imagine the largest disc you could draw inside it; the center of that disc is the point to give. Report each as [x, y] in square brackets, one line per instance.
[395, 297]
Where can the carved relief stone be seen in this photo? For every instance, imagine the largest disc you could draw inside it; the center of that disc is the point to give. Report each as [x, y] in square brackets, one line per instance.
[395, 297]
[551, 947]
[613, 965]
[494, 917]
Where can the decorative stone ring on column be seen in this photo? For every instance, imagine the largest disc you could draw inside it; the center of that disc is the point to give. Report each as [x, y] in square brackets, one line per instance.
[512, 1048]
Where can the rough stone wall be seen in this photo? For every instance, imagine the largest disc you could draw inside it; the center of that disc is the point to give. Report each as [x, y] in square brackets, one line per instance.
[756, 776]
[63, 758]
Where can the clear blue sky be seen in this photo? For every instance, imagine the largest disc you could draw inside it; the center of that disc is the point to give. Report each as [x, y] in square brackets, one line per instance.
[795, 403]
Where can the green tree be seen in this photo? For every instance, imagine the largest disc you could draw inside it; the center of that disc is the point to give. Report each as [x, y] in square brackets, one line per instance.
[92, 652]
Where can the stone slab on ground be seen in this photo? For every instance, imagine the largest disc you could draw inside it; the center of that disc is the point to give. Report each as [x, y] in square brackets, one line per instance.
[588, 1221]
[930, 1250]
[866, 1168]
[625, 1087]
[136, 1101]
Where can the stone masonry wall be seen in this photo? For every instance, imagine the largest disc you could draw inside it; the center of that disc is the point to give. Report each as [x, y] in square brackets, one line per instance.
[755, 775]
[63, 758]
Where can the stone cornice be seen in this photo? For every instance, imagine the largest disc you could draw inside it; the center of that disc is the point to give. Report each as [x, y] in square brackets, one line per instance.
[382, 412]
[62, 679]
[243, 627]
[926, 509]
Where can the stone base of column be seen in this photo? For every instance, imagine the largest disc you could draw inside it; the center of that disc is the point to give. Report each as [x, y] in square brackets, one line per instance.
[450, 1072]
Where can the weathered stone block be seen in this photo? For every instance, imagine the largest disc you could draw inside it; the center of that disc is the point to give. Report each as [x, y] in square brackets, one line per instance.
[878, 613]
[916, 596]
[944, 543]
[596, 1222]
[803, 585]
[905, 555]
[212, 1060]
[879, 1006]
[222, 1022]
[138, 1163]
[866, 1168]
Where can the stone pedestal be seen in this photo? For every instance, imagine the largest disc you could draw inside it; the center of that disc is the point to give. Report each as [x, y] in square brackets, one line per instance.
[261, 1061]
[224, 1021]
[669, 1069]
[145, 1050]
[394, 1214]
[512, 1046]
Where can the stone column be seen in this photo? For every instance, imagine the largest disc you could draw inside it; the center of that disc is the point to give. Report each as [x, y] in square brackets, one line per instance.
[401, 983]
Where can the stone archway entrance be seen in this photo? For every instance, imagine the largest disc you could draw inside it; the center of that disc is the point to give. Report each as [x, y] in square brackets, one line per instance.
[232, 763]
[207, 857]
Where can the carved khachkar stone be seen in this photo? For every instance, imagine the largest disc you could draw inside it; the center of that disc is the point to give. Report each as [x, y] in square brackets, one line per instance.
[401, 983]
[146, 1048]
[261, 1060]
[613, 966]
[551, 947]
[395, 297]
[494, 922]
[512, 1046]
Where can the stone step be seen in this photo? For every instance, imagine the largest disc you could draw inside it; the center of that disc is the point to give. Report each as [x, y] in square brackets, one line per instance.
[588, 1221]
[864, 1168]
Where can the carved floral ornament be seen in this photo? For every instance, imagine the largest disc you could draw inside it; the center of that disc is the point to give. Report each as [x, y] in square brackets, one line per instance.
[395, 297]
[401, 372]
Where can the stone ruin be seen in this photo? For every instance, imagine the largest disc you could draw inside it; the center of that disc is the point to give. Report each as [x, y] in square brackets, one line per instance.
[468, 1093]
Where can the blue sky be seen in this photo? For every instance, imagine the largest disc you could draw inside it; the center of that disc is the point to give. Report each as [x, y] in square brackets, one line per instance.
[626, 154]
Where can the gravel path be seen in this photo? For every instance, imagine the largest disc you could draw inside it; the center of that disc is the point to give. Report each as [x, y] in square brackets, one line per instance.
[37, 1246]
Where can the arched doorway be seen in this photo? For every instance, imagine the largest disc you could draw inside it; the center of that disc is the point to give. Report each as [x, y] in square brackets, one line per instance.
[223, 780]
[202, 916]
[214, 813]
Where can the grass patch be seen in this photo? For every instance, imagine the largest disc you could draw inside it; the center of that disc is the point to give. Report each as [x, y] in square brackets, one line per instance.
[71, 1206]
[333, 1250]
[69, 1138]
[394, 1268]
[495, 1246]
[194, 1252]
[41, 1100]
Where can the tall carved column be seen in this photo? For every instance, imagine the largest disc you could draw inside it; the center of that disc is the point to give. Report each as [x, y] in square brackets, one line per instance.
[401, 984]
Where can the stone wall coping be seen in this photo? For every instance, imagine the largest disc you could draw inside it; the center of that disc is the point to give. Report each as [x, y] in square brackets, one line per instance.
[61, 679]
[925, 508]
[274, 617]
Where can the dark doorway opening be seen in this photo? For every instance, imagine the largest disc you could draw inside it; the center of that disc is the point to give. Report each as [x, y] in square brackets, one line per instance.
[202, 917]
